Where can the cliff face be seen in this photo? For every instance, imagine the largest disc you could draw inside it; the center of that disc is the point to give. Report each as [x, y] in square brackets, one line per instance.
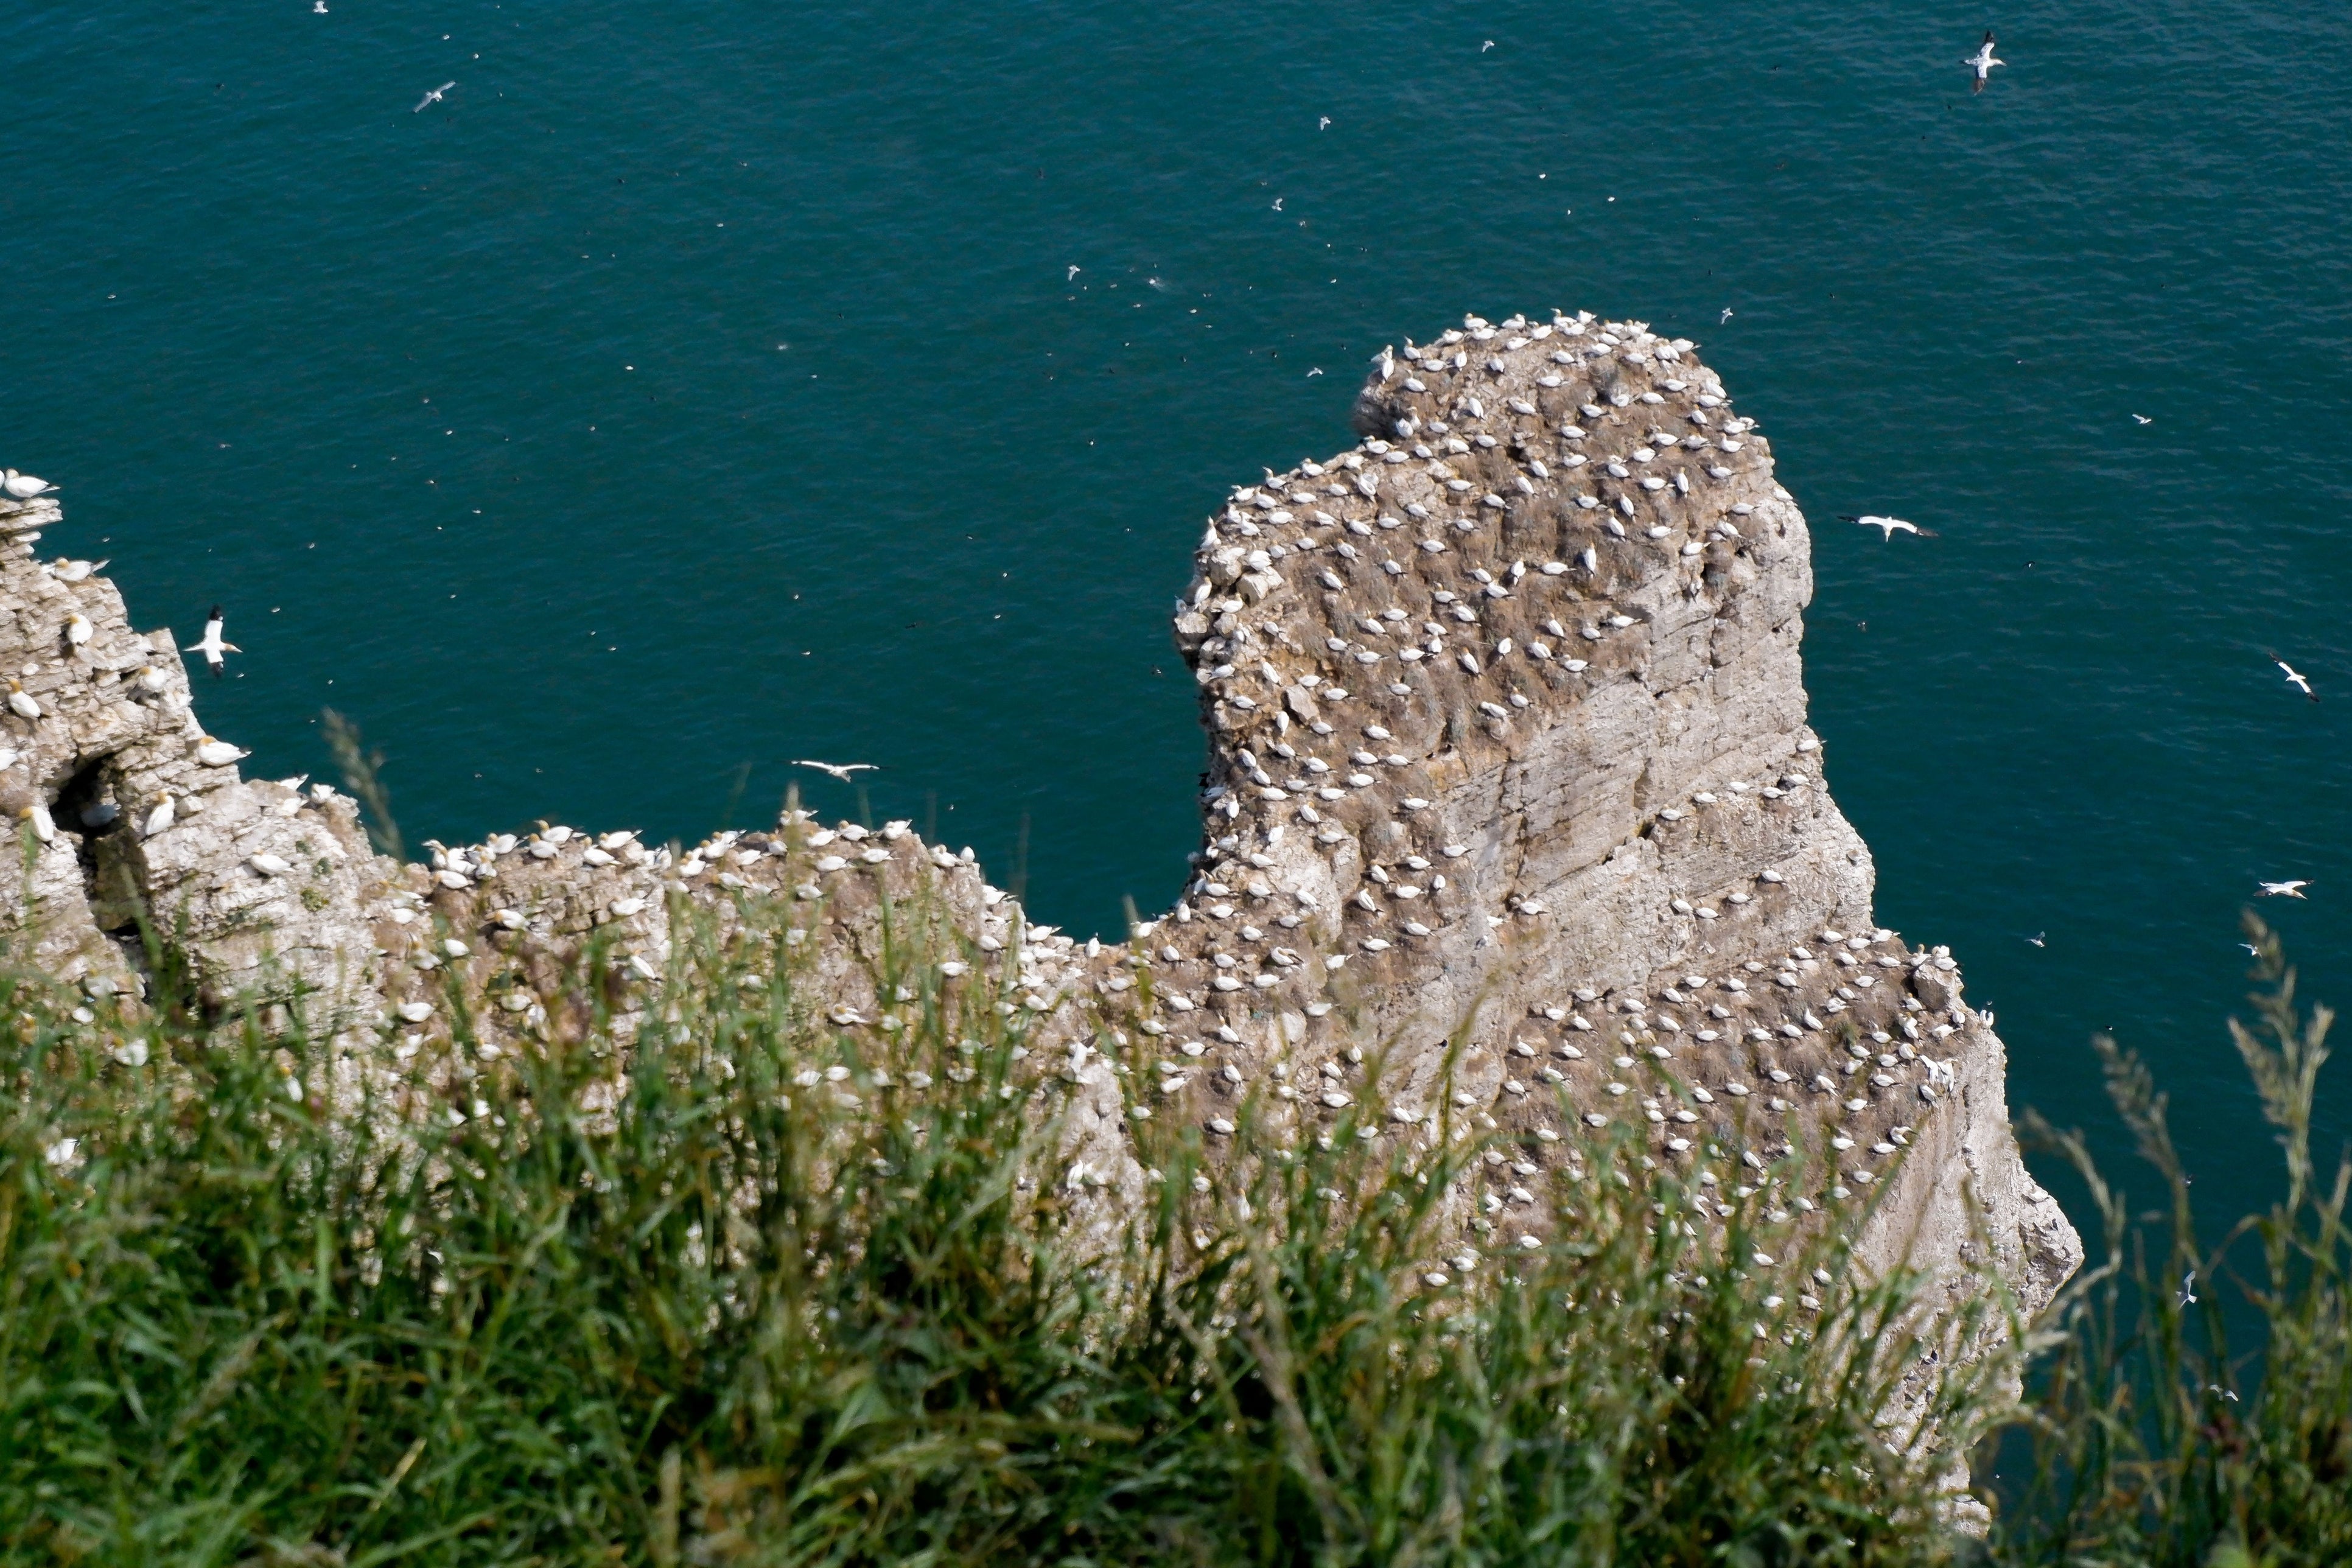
[1512, 800]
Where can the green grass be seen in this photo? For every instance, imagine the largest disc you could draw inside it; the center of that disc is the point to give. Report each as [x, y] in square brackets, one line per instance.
[660, 1295]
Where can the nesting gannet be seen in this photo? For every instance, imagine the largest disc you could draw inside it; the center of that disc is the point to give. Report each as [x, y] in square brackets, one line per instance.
[66, 570]
[2293, 889]
[1889, 526]
[24, 487]
[2294, 677]
[77, 630]
[838, 769]
[219, 753]
[160, 813]
[21, 703]
[434, 96]
[211, 645]
[1983, 61]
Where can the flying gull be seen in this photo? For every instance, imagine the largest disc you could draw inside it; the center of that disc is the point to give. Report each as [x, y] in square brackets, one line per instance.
[1889, 526]
[2294, 677]
[211, 645]
[838, 769]
[1983, 61]
[431, 98]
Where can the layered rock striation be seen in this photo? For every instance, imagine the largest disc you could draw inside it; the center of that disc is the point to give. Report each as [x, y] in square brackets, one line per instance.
[1513, 817]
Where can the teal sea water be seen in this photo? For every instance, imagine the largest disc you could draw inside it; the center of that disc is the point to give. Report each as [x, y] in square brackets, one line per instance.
[695, 388]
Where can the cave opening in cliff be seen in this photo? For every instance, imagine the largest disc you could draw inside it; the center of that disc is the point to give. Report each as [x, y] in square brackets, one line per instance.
[89, 812]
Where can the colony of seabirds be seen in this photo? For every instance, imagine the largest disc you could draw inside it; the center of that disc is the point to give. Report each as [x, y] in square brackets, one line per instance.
[1537, 509]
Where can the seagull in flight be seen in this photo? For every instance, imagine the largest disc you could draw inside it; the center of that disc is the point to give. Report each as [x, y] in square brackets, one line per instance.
[1485, 46]
[1889, 526]
[840, 770]
[211, 645]
[2187, 1289]
[1324, 123]
[432, 98]
[1074, 272]
[1726, 315]
[2039, 939]
[2294, 677]
[1983, 61]
[2284, 889]
[2143, 419]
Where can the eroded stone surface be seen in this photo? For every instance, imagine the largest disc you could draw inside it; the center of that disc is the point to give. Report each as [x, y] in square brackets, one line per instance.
[1511, 798]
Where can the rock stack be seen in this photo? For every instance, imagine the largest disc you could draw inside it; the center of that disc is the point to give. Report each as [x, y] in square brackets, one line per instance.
[1513, 819]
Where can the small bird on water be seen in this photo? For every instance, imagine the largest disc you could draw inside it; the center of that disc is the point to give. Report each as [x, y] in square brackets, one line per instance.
[840, 770]
[2294, 678]
[435, 97]
[2293, 889]
[211, 645]
[1983, 61]
[1889, 526]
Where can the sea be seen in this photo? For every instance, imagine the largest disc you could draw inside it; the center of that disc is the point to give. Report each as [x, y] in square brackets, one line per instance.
[690, 390]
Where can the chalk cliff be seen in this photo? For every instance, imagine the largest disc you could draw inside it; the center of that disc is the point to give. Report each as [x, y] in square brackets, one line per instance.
[1512, 801]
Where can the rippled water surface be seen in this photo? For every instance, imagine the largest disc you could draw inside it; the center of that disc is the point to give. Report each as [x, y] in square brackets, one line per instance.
[695, 388]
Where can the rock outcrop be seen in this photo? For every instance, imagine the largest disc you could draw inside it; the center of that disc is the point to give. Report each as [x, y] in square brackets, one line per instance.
[1513, 814]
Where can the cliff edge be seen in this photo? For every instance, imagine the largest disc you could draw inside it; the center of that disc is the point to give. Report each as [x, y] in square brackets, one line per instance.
[1512, 815]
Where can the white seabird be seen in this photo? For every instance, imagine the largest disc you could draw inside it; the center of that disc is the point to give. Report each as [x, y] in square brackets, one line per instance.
[158, 815]
[2294, 677]
[2293, 889]
[434, 96]
[838, 769]
[214, 753]
[211, 645]
[1889, 526]
[1983, 61]
[24, 487]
